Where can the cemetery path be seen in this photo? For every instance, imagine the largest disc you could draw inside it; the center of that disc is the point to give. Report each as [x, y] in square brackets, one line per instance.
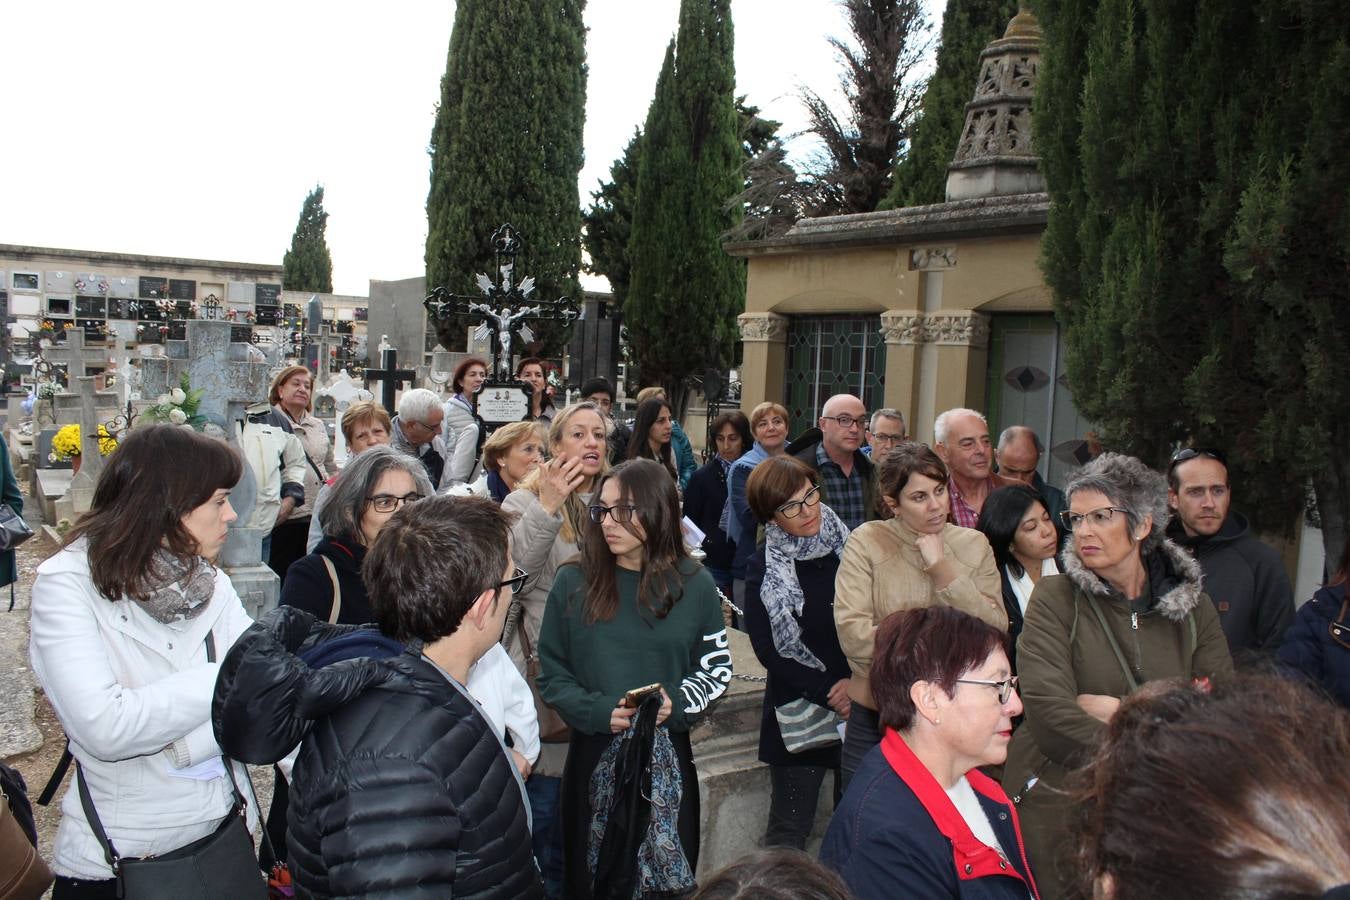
[31, 739]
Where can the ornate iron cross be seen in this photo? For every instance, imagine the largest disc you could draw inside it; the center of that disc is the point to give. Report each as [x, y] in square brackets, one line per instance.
[503, 305]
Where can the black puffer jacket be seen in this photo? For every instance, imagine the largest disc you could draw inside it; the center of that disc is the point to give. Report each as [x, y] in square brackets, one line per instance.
[401, 788]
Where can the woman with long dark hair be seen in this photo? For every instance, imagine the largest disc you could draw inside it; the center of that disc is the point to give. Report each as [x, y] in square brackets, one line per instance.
[1016, 521]
[634, 613]
[534, 371]
[128, 620]
[651, 435]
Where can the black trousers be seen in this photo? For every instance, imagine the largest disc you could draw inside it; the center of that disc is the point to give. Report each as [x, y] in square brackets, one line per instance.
[582, 756]
[793, 795]
[84, 889]
[862, 733]
[288, 544]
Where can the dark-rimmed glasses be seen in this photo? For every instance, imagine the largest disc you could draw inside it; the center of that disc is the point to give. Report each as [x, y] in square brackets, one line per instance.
[793, 508]
[388, 502]
[848, 421]
[1005, 687]
[1098, 517]
[622, 514]
[516, 581]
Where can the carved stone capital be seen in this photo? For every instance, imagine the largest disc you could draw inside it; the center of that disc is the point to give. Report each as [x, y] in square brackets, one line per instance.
[927, 259]
[902, 326]
[767, 327]
[963, 329]
[953, 329]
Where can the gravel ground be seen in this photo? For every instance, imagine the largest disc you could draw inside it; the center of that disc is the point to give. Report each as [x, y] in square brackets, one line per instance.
[36, 765]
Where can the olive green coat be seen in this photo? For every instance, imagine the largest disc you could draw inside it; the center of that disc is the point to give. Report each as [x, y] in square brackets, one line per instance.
[1064, 651]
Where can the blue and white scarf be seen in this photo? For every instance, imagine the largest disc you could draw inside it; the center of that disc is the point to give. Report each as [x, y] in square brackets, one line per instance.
[781, 592]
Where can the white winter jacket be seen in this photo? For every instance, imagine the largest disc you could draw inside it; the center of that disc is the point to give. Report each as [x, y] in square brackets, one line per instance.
[134, 697]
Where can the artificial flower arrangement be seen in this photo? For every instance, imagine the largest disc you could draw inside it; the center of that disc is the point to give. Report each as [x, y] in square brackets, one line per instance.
[66, 443]
[178, 406]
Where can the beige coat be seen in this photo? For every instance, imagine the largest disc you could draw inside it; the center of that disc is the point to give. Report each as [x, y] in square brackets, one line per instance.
[881, 572]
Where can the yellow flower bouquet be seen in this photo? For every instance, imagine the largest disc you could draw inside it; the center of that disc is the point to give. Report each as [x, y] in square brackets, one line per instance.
[66, 442]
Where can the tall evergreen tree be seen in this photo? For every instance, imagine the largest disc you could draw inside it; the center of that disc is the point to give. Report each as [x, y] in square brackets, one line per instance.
[609, 220]
[308, 266]
[507, 147]
[967, 28]
[1199, 237]
[685, 292]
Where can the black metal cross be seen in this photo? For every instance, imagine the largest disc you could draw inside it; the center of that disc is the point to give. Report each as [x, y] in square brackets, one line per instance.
[390, 377]
[503, 305]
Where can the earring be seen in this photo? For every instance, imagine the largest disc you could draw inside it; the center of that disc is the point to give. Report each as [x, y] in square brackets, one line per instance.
[937, 721]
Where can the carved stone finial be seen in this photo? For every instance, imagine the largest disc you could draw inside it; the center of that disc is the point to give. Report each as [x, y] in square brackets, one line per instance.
[996, 153]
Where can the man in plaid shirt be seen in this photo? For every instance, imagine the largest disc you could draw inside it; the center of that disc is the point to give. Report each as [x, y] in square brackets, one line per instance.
[847, 476]
[961, 438]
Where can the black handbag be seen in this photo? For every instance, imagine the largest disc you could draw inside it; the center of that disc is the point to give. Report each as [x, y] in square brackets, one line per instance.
[13, 529]
[220, 866]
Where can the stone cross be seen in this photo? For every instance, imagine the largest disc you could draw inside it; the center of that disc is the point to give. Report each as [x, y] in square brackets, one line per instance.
[82, 484]
[345, 390]
[231, 379]
[75, 356]
[390, 377]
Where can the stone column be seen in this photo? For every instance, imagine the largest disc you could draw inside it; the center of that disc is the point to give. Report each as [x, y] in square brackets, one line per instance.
[962, 340]
[902, 330]
[764, 369]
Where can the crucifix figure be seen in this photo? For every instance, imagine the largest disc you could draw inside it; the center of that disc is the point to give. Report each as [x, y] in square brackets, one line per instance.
[505, 306]
[390, 377]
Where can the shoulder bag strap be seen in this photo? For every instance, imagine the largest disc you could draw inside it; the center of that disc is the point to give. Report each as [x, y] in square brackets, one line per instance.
[337, 589]
[87, 803]
[1115, 645]
[58, 776]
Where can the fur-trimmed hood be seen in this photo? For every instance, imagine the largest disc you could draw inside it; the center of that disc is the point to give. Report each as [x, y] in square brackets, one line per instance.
[1174, 577]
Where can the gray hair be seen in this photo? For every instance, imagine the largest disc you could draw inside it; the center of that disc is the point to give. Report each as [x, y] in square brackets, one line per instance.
[1130, 485]
[417, 404]
[886, 413]
[944, 421]
[346, 504]
[1013, 432]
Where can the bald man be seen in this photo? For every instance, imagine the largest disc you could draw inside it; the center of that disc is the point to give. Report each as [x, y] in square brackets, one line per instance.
[1019, 454]
[847, 477]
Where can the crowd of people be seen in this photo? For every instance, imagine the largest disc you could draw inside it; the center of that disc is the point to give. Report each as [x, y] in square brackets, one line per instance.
[493, 642]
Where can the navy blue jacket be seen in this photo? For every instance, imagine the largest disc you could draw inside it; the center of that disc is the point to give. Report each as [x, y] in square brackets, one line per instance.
[889, 835]
[703, 502]
[1317, 645]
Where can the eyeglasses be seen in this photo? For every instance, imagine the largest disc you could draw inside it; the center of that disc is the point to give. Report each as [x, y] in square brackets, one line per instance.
[1005, 687]
[516, 581]
[388, 502]
[1189, 453]
[1097, 517]
[793, 508]
[621, 514]
[423, 425]
[848, 421]
[891, 439]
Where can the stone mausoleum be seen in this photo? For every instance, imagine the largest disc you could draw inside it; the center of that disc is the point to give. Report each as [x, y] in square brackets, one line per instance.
[928, 307]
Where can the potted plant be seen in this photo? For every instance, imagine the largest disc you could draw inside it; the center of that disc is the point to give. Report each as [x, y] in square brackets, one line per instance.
[66, 445]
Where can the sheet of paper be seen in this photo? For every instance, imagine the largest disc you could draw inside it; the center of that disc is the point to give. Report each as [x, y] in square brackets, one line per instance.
[202, 771]
[693, 535]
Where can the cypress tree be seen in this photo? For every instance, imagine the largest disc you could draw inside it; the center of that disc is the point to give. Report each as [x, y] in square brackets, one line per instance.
[684, 292]
[1199, 237]
[967, 28]
[609, 220]
[308, 266]
[507, 147]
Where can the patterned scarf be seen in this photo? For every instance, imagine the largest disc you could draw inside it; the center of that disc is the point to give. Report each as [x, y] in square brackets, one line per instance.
[185, 587]
[781, 592]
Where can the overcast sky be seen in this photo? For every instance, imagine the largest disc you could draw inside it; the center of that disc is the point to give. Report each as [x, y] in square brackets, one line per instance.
[186, 129]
